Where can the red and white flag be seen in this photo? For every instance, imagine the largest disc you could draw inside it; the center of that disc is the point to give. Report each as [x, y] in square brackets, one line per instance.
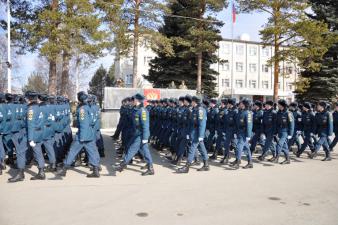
[233, 13]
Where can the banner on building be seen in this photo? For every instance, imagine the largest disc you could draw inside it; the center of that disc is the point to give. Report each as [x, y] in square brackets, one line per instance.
[151, 94]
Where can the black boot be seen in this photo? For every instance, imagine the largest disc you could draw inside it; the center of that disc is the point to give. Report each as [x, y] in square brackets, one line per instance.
[121, 167]
[51, 168]
[248, 166]
[205, 166]
[327, 157]
[62, 172]
[144, 167]
[184, 169]
[95, 173]
[235, 164]
[2, 165]
[225, 159]
[286, 161]
[276, 159]
[261, 157]
[150, 170]
[312, 155]
[40, 176]
[20, 176]
[197, 161]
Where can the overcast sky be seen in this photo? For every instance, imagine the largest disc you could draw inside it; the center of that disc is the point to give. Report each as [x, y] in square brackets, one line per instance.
[245, 23]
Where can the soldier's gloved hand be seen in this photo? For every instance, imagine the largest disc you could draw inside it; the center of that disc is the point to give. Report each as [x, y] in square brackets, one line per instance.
[223, 134]
[200, 139]
[312, 135]
[247, 139]
[289, 137]
[32, 144]
[299, 132]
[144, 141]
[263, 137]
[188, 137]
[235, 135]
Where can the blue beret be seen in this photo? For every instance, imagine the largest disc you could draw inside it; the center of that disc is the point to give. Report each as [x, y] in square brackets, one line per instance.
[139, 97]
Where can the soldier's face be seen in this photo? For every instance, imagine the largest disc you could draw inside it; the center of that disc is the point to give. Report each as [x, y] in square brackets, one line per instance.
[280, 107]
[268, 107]
[255, 107]
[241, 106]
[320, 108]
[193, 104]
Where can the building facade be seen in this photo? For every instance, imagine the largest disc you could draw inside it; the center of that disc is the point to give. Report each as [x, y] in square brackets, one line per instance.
[243, 71]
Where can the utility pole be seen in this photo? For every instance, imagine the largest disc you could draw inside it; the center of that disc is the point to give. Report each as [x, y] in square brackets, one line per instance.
[9, 75]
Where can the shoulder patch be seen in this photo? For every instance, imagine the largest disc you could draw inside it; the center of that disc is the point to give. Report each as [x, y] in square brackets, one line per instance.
[144, 115]
[200, 114]
[330, 117]
[290, 116]
[249, 117]
[82, 114]
[30, 114]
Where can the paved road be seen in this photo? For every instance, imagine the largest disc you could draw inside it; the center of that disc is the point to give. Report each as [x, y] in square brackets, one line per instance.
[305, 192]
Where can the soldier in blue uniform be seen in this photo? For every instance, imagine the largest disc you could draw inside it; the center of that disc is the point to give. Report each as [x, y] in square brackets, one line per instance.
[140, 137]
[97, 126]
[324, 129]
[212, 116]
[307, 127]
[229, 128]
[244, 133]
[297, 115]
[85, 139]
[285, 130]
[48, 132]
[220, 128]
[197, 132]
[335, 127]
[2, 125]
[7, 130]
[257, 125]
[269, 129]
[35, 130]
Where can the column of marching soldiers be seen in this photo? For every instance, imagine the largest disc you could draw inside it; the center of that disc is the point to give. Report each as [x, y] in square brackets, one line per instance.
[35, 128]
[191, 128]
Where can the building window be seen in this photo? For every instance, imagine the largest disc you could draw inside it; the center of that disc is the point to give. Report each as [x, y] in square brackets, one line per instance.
[129, 79]
[252, 67]
[225, 48]
[239, 49]
[289, 86]
[239, 66]
[265, 84]
[265, 68]
[225, 66]
[265, 52]
[253, 51]
[288, 70]
[225, 83]
[279, 87]
[239, 83]
[147, 60]
[252, 83]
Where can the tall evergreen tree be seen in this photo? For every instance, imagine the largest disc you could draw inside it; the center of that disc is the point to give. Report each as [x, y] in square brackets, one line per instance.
[323, 84]
[190, 38]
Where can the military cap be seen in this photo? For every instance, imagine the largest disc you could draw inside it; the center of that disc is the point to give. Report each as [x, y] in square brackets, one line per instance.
[323, 104]
[206, 102]
[269, 103]
[195, 99]
[139, 97]
[232, 101]
[213, 101]
[246, 102]
[181, 99]
[307, 105]
[31, 95]
[188, 98]
[81, 96]
[9, 96]
[283, 103]
[259, 104]
[294, 104]
[224, 101]
[43, 97]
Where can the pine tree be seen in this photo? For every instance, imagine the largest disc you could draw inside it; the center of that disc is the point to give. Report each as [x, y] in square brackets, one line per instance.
[189, 38]
[323, 84]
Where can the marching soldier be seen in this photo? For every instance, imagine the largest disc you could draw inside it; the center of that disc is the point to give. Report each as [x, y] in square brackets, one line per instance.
[85, 139]
[244, 133]
[2, 125]
[335, 127]
[197, 132]
[140, 137]
[257, 125]
[285, 130]
[324, 129]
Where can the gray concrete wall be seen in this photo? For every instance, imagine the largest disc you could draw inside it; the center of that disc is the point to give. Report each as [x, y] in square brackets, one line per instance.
[113, 97]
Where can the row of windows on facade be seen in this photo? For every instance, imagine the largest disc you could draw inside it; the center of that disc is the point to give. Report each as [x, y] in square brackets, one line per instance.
[253, 68]
[253, 84]
[239, 49]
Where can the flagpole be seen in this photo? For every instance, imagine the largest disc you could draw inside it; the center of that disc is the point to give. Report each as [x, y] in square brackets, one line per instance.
[9, 75]
[232, 52]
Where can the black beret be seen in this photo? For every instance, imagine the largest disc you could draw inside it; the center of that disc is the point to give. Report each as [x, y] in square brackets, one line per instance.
[283, 103]
[43, 97]
[246, 102]
[181, 99]
[213, 101]
[269, 103]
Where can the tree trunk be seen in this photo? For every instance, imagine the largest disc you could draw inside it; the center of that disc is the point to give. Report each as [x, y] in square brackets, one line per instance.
[52, 80]
[136, 41]
[65, 74]
[199, 73]
[52, 77]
